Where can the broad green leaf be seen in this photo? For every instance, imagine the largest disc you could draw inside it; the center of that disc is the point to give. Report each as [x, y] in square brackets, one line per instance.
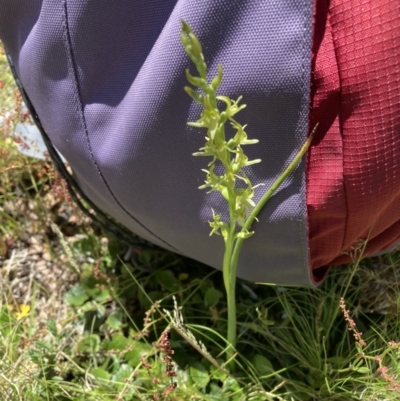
[114, 321]
[90, 343]
[205, 285]
[115, 364]
[199, 374]
[217, 373]
[232, 388]
[140, 350]
[99, 294]
[167, 279]
[100, 311]
[262, 364]
[124, 373]
[89, 306]
[118, 342]
[216, 392]
[87, 279]
[212, 296]
[100, 373]
[76, 296]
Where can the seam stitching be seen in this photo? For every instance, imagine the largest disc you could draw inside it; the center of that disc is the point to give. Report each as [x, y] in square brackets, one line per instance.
[307, 16]
[79, 104]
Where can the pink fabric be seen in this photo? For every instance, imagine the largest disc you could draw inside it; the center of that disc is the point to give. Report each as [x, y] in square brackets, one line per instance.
[353, 176]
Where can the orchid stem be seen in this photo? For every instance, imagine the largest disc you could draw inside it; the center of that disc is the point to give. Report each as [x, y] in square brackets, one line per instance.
[231, 155]
[261, 203]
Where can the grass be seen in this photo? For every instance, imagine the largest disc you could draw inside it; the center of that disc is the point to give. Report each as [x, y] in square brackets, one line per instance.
[81, 318]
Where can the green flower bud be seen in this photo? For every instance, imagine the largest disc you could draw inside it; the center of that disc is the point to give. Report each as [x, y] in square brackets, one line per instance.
[217, 80]
[196, 81]
[186, 27]
[227, 153]
[196, 46]
[197, 97]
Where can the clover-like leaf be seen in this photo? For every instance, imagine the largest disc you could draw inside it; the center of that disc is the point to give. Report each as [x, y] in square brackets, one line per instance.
[76, 296]
[199, 374]
[212, 296]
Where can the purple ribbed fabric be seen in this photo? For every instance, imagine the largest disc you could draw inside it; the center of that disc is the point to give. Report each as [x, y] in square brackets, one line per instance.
[106, 79]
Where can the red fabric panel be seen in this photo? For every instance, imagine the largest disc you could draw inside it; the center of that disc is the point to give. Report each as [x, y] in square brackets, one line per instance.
[353, 175]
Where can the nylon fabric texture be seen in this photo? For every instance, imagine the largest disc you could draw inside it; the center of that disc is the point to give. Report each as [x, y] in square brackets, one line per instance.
[353, 176]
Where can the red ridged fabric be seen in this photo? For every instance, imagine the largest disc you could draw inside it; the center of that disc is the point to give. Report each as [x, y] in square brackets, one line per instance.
[353, 175]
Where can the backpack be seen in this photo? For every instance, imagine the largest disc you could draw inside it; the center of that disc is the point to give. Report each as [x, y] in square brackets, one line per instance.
[104, 82]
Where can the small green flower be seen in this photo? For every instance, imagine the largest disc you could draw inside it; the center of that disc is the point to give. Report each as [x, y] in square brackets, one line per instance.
[219, 227]
[225, 152]
[228, 153]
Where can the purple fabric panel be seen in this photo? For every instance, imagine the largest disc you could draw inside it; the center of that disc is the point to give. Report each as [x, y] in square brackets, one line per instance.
[46, 66]
[106, 79]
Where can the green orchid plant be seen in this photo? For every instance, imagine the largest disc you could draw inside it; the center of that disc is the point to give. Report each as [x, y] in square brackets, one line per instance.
[228, 152]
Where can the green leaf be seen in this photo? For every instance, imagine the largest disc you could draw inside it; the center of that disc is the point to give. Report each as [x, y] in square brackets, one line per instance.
[199, 374]
[76, 296]
[167, 279]
[216, 392]
[141, 350]
[114, 321]
[35, 355]
[205, 285]
[124, 373]
[262, 364]
[52, 326]
[231, 386]
[89, 344]
[87, 307]
[100, 373]
[212, 297]
[118, 342]
[100, 311]
[99, 294]
[217, 373]
[44, 346]
[362, 369]
[87, 279]
[115, 364]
